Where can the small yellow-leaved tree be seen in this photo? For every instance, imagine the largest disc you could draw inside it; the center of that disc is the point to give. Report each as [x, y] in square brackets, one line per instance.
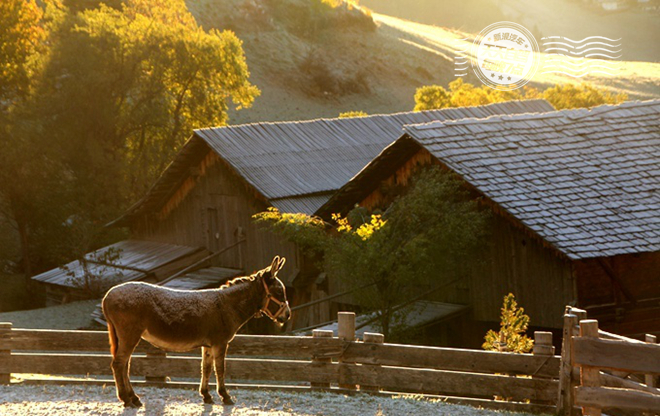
[511, 336]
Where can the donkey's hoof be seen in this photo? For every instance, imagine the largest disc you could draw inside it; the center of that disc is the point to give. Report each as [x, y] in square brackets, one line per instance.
[208, 400]
[227, 401]
[136, 402]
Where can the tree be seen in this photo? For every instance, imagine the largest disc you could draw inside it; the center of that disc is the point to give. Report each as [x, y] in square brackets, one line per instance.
[351, 114]
[108, 96]
[580, 96]
[462, 94]
[130, 85]
[21, 41]
[417, 241]
[432, 97]
[21, 34]
[511, 336]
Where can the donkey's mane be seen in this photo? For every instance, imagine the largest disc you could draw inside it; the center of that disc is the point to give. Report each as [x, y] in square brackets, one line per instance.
[243, 279]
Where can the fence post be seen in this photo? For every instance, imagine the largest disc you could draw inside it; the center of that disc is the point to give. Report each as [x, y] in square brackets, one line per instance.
[590, 377]
[580, 313]
[566, 382]
[155, 354]
[543, 348]
[649, 379]
[346, 332]
[543, 343]
[321, 333]
[502, 345]
[5, 352]
[372, 338]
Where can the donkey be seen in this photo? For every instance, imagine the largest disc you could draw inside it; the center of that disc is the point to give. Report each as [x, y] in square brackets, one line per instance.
[180, 320]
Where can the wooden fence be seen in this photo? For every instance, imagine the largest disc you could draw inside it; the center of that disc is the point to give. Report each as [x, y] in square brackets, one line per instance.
[601, 370]
[529, 382]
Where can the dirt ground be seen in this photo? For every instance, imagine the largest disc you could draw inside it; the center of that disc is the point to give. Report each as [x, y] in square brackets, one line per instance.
[50, 400]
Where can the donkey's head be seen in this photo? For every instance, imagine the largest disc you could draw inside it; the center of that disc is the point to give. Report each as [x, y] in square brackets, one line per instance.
[275, 306]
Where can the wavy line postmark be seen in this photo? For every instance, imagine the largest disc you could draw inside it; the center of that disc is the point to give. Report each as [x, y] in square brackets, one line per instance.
[578, 58]
[506, 56]
[461, 58]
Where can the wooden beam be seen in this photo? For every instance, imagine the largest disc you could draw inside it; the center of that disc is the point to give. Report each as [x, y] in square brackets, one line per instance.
[609, 380]
[449, 382]
[97, 341]
[617, 355]
[475, 361]
[608, 398]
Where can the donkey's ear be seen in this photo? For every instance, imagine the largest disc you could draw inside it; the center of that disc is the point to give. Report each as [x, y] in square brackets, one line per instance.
[282, 261]
[274, 264]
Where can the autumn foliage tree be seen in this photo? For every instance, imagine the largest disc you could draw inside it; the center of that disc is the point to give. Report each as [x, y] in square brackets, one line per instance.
[462, 94]
[110, 95]
[388, 256]
[22, 34]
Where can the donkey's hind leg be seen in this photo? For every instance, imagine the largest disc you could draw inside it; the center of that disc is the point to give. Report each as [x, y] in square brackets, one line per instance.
[207, 366]
[120, 368]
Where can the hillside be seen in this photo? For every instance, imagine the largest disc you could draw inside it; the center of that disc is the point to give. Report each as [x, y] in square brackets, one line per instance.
[312, 61]
[570, 18]
[309, 67]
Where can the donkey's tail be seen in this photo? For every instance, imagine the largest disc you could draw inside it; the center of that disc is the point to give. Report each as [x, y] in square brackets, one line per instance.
[114, 341]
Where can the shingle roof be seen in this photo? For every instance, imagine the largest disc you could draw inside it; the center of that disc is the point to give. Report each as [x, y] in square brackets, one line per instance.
[587, 182]
[298, 165]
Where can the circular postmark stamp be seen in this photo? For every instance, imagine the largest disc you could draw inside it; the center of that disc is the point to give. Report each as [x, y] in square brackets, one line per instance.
[505, 56]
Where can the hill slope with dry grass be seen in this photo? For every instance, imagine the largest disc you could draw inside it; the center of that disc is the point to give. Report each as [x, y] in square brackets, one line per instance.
[311, 60]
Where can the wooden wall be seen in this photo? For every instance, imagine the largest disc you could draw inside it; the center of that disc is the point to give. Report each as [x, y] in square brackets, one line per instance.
[541, 280]
[600, 294]
[213, 208]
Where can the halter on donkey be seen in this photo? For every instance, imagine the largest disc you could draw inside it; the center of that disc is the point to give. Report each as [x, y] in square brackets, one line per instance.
[180, 320]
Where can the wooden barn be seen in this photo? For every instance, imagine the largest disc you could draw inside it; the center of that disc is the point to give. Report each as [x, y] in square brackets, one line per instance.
[205, 199]
[576, 202]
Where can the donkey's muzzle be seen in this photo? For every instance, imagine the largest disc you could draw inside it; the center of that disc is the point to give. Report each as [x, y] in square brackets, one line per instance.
[285, 316]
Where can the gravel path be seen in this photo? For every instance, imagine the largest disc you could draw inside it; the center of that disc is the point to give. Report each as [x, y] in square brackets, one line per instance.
[72, 315]
[51, 400]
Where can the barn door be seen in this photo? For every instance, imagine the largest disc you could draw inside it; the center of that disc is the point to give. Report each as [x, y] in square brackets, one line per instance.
[223, 221]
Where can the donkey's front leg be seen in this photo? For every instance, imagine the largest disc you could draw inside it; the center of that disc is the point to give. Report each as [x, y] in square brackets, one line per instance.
[219, 352]
[207, 366]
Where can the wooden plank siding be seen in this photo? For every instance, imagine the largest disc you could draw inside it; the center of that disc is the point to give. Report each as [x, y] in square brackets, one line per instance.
[214, 209]
[541, 280]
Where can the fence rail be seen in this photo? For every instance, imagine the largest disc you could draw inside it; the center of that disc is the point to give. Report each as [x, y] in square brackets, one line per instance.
[529, 382]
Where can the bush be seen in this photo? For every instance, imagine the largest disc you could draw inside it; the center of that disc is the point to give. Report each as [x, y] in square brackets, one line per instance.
[322, 80]
[511, 336]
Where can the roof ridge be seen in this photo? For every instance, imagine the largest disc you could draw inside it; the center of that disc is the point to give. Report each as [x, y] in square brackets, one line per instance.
[369, 116]
[490, 119]
[606, 108]
[568, 113]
